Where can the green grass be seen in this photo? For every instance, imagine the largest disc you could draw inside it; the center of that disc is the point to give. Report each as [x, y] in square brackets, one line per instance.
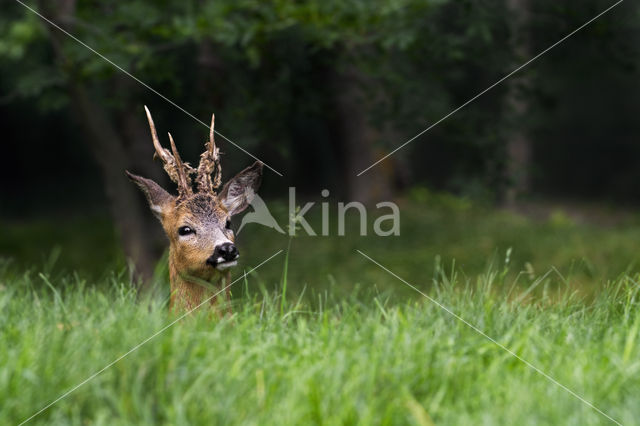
[356, 360]
[444, 232]
[436, 232]
[349, 343]
[87, 245]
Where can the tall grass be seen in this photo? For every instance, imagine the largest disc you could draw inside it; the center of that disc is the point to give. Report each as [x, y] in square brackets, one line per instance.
[363, 358]
[323, 335]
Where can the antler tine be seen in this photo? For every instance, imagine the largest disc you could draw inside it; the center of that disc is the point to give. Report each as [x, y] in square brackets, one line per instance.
[215, 153]
[177, 170]
[160, 151]
[212, 143]
[184, 181]
[209, 163]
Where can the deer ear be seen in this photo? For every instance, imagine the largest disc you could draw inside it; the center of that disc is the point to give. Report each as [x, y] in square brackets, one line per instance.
[159, 199]
[237, 194]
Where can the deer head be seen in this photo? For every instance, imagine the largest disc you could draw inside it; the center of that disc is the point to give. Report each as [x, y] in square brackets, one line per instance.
[197, 223]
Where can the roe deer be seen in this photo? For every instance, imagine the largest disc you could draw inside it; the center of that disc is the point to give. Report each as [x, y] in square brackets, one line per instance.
[201, 242]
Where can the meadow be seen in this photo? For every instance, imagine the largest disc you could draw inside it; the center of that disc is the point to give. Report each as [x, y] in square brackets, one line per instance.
[321, 335]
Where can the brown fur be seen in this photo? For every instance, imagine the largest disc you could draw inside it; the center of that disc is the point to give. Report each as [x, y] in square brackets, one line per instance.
[189, 258]
[205, 212]
[186, 296]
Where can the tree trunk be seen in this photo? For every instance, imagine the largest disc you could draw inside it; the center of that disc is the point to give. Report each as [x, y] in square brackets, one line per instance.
[518, 145]
[108, 148]
[356, 140]
[125, 204]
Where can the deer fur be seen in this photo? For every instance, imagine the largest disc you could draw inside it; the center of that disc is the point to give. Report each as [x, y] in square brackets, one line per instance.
[194, 272]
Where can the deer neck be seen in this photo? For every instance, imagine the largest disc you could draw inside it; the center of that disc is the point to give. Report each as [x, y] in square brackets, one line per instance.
[188, 292]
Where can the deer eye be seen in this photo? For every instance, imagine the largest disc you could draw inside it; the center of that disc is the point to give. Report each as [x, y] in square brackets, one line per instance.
[228, 224]
[186, 230]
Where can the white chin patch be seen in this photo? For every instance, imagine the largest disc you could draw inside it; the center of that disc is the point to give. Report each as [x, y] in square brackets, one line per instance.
[224, 265]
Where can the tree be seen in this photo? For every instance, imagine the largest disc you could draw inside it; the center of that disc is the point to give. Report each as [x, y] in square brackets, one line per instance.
[117, 139]
[321, 85]
[518, 145]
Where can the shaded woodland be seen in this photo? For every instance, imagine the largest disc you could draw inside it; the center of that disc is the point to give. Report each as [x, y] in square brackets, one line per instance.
[319, 90]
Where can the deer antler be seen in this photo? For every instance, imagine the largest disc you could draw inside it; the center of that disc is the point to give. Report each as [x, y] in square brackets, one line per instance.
[184, 180]
[209, 163]
[178, 171]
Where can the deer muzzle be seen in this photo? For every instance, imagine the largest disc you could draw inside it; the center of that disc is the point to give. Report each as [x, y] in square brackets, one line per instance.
[224, 256]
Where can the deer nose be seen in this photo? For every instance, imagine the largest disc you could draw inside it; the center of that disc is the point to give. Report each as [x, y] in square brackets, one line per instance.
[226, 251]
